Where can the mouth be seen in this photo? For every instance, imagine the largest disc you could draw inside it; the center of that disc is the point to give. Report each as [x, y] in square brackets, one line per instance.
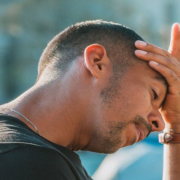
[140, 134]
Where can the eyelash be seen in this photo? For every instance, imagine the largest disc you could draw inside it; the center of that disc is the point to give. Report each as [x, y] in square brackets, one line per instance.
[155, 94]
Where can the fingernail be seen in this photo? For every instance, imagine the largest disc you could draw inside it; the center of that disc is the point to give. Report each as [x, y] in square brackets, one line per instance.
[153, 62]
[141, 43]
[141, 52]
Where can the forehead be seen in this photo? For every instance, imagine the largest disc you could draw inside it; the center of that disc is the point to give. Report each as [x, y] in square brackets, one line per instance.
[143, 73]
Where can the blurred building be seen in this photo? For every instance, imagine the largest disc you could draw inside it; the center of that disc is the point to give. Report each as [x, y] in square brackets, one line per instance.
[26, 26]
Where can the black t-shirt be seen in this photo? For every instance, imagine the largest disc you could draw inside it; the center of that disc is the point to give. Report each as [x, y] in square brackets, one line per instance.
[24, 155]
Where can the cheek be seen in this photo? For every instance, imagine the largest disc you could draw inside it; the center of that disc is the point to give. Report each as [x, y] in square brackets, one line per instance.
[128, 135]
[137, 102]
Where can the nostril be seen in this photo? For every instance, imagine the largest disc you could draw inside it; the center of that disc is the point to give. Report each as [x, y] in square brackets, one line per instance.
[155, 124]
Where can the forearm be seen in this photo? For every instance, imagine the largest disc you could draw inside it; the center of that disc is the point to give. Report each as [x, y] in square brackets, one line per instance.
[171, 164]
[168, 65]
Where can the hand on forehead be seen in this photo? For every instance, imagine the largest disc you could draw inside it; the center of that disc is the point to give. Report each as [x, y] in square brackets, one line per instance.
[169, 67]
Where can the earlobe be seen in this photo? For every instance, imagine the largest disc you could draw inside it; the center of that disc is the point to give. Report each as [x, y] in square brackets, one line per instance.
[95, 59]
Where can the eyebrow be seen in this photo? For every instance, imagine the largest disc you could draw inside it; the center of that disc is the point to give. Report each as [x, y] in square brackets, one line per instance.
[161, 80]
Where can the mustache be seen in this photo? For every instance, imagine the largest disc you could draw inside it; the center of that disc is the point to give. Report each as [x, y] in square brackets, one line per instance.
[139, 120]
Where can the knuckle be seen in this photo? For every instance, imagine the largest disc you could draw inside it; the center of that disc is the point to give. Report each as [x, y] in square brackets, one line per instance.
[151, 55]
[150, 47]
[166, 61]
[170, 62]
[174, 61]
[167, 54]
[172, 74]
[178, 64]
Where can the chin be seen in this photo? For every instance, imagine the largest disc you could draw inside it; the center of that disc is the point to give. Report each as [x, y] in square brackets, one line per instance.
[108, 149]
[113, 146]
[112, 149]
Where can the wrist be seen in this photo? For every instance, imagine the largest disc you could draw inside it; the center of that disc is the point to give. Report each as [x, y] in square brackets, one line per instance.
[171, 134]
[172, 127]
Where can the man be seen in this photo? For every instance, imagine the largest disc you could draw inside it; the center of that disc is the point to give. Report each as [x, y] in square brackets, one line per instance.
[92, 93]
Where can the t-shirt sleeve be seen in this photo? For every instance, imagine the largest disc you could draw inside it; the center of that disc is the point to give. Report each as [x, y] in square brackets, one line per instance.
[34, 163]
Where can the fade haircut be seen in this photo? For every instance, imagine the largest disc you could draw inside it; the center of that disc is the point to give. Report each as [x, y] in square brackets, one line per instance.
[65, 47]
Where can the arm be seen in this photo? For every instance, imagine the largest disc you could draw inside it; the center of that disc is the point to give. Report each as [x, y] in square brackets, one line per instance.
[168, 65]
[171, 169]
[171, 164]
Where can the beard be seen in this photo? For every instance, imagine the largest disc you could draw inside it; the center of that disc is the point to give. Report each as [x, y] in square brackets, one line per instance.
[110, 136]
[111, 139]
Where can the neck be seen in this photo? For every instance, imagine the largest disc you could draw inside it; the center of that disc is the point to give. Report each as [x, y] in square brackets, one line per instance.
[59, 120]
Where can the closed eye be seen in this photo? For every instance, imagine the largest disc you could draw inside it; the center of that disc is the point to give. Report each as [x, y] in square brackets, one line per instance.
[155, 95]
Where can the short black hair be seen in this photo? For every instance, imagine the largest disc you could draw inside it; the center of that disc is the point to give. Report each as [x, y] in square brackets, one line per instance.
[65, 47]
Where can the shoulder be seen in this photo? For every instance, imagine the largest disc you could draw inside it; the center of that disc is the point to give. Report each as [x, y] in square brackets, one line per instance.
[33, 162]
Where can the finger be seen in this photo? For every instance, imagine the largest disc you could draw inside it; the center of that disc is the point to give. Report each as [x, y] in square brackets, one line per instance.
[174, 47]
[170, 76]
[171, 63]
[151, 48]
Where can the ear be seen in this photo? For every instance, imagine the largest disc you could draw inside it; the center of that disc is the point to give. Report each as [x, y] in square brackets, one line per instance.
[96, 60]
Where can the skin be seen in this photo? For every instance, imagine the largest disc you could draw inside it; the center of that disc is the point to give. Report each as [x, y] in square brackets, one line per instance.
[128, 111]
[168, 65]
[72, 109]
[69, 109]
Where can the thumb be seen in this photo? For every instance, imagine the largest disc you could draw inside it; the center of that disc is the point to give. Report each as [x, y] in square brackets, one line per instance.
[174, 47]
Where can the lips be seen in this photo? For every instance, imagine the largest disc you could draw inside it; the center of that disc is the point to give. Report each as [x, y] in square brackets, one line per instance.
[140, 134]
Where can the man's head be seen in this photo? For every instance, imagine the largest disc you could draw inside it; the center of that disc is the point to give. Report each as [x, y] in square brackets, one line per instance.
[71, 43]
[110, 89]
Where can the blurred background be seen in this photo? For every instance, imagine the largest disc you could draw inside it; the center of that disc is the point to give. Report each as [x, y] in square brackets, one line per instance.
[26, 26]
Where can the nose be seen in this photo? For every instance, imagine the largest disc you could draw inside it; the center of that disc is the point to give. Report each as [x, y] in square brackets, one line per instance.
[156, 120]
